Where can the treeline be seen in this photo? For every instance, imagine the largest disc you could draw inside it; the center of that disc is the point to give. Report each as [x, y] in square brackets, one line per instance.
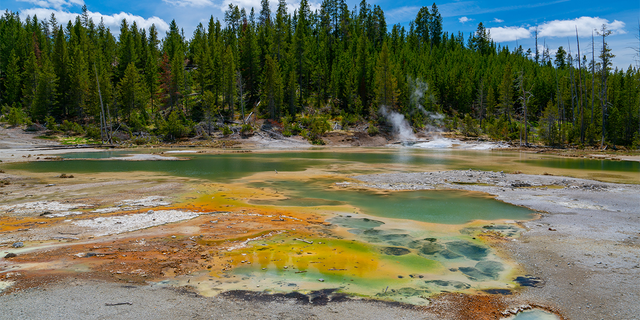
[305, 67]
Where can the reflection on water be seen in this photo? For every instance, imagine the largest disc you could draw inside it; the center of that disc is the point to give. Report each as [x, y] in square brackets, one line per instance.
[225, 167]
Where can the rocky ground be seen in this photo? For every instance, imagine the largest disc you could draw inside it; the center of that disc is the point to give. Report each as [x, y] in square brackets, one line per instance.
[585, 247]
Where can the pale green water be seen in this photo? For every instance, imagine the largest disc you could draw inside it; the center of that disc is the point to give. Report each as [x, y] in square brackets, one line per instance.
[534, 315]
[218, 167]
[400, 254]
[447, 207]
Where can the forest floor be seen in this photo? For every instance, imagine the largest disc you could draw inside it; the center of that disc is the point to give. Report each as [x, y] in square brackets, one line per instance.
[583, 254]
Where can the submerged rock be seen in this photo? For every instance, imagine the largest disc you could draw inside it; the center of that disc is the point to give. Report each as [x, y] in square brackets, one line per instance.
[395, 251]
[483, 270]
[431, 248]
[468, 249]
[529, 281]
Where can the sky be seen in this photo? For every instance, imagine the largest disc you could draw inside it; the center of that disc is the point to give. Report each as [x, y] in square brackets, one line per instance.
[511, 23]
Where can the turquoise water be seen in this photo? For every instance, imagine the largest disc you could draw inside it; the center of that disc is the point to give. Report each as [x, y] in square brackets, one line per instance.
[535, 314]
[225, 167]
[447, 207]
[429, 206]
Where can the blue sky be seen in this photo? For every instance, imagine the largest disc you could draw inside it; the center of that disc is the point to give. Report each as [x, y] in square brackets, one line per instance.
[510, 22]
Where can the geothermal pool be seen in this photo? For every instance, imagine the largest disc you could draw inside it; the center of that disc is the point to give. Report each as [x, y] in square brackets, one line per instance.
[281, 222]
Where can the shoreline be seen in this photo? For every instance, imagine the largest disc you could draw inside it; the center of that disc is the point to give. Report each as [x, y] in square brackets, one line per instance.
[552, 249]
[585, 246]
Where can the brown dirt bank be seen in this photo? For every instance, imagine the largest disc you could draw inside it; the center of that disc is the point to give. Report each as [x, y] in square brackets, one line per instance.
[585, 247]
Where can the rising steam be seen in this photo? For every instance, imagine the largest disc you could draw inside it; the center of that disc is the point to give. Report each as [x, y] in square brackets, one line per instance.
[401, 128]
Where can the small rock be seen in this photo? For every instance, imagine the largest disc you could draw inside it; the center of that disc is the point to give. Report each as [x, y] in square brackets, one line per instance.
[321, 280]
[10, 255]
[552, 229]
[18, 245]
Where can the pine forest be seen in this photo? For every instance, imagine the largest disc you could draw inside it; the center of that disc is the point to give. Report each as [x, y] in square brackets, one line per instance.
[308, 72]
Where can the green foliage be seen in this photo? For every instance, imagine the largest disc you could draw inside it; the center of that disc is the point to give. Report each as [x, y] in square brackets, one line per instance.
[317, 126]
[337, 61]
[173, 128]
[246, 129]
[372, 130]
[500, 129]
[636, 141]
[290, 128]
[71, 127]
[92, 132]
[132, 96]
[226, 130]
[138, 122]
[470, 127]
[548, 129]
[347, 120]
[50, 123]
[17, 117]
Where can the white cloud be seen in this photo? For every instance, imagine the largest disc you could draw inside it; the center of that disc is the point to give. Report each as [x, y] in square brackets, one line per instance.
[464, 19]
[402, 14]
[111, 21]
[257, 6]
[56, 4]
[557, 28]
[501, 34]
[585, 25]
[189, 3]
[458, 8]
[498, 20]
[246, 4]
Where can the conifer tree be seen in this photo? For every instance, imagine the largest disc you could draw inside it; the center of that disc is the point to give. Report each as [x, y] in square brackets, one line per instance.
[229, 80]
[272, 88]
[13, 80]
[46, 90]
[131, 95]
[506, 92]
[386, 84]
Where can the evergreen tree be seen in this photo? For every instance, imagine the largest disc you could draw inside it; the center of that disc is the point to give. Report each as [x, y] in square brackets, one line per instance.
[13, 80]
[46, 91]
[131, 95]
[506, 92]
[79, 80]
[272, 94]
[386, 84]
[435, 26]
[229, 80]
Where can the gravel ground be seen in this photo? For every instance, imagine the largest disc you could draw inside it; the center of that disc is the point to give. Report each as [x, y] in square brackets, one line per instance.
[84, 299]
[585, 247]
